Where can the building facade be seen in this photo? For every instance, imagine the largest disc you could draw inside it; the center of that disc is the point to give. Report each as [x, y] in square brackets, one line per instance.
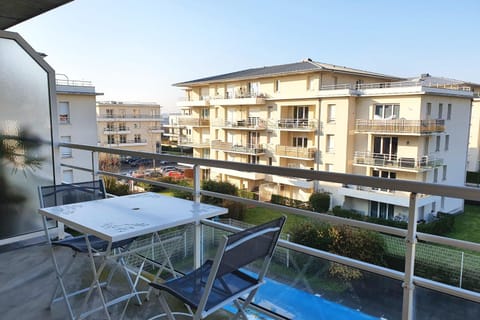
[76, 118]
[325, 117]
[133, 126]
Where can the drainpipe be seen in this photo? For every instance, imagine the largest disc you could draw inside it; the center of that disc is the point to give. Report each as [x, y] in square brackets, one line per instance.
[316, 186]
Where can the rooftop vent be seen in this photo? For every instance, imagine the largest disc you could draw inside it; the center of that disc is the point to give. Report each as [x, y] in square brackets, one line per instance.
[425, 75]
[307, 60]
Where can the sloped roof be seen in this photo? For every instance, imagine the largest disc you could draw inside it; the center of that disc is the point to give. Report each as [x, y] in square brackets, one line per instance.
[430, 80]
[13, 12]
[304, 66]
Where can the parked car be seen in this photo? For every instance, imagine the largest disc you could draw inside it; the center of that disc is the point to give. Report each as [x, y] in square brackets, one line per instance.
[175, 174]
[165, 169]
[141, 162]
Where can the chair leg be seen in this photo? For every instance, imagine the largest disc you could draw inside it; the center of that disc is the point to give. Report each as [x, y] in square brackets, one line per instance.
[167, 311]
[63, 272]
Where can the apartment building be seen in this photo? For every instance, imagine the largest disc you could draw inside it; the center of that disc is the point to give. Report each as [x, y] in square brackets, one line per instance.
[326, 117]
[133, 126]
[76, 116]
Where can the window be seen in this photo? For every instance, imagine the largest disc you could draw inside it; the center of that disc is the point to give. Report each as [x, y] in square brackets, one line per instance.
[123, 138]
[330, 143]
[329, 167]
[331, 113]
[444, 173]
[387, 111]
[110, 139]
[381, 210]
[437, 144]
[64, 151]
[440, 111]
[384, 174]
[67, 176]
[385, 148]
[205, 113]
[429, 109]
[109, 113]
[300, 112]
[449, 111]
[300, 142]
[64, 112]
[137, 138]
[276, 85]
[253, 159]
[270, 161]
[122, 126]
[447, 142]
[435, 175]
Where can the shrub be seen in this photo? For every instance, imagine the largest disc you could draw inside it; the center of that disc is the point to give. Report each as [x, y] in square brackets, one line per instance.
[319, 201]
[112, 186]
[236, 210]
[219, 187]
[278, 199]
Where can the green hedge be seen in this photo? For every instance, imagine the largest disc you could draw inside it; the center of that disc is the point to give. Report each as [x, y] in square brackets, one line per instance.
[319, 201]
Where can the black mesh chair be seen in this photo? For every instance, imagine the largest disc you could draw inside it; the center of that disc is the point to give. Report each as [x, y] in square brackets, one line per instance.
[55, 195]
[222, 281]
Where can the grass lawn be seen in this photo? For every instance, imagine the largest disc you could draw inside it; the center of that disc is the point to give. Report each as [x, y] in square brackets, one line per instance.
[467, 225]
[258, 215]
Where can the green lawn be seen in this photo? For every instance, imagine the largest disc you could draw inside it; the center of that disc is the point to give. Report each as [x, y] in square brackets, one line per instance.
[467, 225]
[258, 215]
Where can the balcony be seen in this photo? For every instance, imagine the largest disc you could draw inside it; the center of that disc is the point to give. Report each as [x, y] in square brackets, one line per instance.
[116, 130]
[295, 152]
[189, 142]
[201, 102]
[238, 99]
[400, 127]
[241, 174]
[193, 121]
[128, 117]
[250, 123]
[126, 143]
[399, 162]
[297, 124]
[254, 149]
[299, 284]
[155, 129]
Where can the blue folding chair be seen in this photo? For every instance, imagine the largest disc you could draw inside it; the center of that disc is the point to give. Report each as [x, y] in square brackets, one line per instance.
[222, 281]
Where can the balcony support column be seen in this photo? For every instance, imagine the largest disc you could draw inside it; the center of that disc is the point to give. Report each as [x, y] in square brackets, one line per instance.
[197, 243]
[411, 241]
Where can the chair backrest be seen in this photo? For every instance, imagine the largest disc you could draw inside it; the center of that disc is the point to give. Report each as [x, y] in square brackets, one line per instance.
[242, 248]
[55, 195]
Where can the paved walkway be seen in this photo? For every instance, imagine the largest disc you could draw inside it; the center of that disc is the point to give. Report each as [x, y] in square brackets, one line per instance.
[27, 282]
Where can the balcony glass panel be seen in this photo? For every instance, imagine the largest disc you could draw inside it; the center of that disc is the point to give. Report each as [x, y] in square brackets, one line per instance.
[431, 304]
[25, 118]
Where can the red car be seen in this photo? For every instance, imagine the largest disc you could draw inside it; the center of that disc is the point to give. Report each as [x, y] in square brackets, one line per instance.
[175, 174]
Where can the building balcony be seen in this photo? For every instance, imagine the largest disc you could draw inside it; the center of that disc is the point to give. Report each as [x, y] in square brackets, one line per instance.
[128, 117]
[399, 162]
[238, 99]
[126, 143]
[292, 181]
[155, 129]
[256, 176]
[116, 130]
[297, 124]
[295, 152]
[400, 127]
[193, 121]
[254, 149]
[201, 102]
[250, 123]
[189, 142]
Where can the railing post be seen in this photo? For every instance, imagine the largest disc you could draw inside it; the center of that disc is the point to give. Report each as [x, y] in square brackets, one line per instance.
[197, 232]
[93, 165]
[411, 241]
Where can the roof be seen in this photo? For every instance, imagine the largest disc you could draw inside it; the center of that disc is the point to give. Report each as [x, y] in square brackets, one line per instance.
[13, 12]
[430, 80]
[305, 66]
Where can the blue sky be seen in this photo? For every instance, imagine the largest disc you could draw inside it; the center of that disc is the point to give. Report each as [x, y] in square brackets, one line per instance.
[134, 50]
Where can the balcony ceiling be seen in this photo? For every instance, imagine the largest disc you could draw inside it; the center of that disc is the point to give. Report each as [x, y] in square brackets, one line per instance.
[13, 12]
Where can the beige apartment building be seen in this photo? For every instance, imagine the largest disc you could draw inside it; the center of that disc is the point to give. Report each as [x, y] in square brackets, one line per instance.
[325, 117]
[129, 125]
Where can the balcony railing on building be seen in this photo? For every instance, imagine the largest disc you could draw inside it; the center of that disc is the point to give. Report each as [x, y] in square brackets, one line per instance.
[113, 116]
[111, 130]
[249, 123]
[297, 124]
[238, 148]
[400, 126]
[155, 129]
[120, 142]
[395, 84]
[193, 121]
[295, 152]
[396, 161]
[190, 142]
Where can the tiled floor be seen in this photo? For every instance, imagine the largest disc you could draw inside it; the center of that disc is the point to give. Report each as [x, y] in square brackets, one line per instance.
[27, 282]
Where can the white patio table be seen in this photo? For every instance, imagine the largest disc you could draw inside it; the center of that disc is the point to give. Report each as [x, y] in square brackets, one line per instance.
[125, 217]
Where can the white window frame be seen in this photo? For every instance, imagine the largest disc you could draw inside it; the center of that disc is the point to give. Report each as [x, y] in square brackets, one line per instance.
[383, 108]
[330, 143]
[64, 112]
[449, 111]
[331, 113]
[447, 142]
[437, 143]
[66, 152]
[440, 111]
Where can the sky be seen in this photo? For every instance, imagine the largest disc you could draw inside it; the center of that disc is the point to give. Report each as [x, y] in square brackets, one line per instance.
[134, 50]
